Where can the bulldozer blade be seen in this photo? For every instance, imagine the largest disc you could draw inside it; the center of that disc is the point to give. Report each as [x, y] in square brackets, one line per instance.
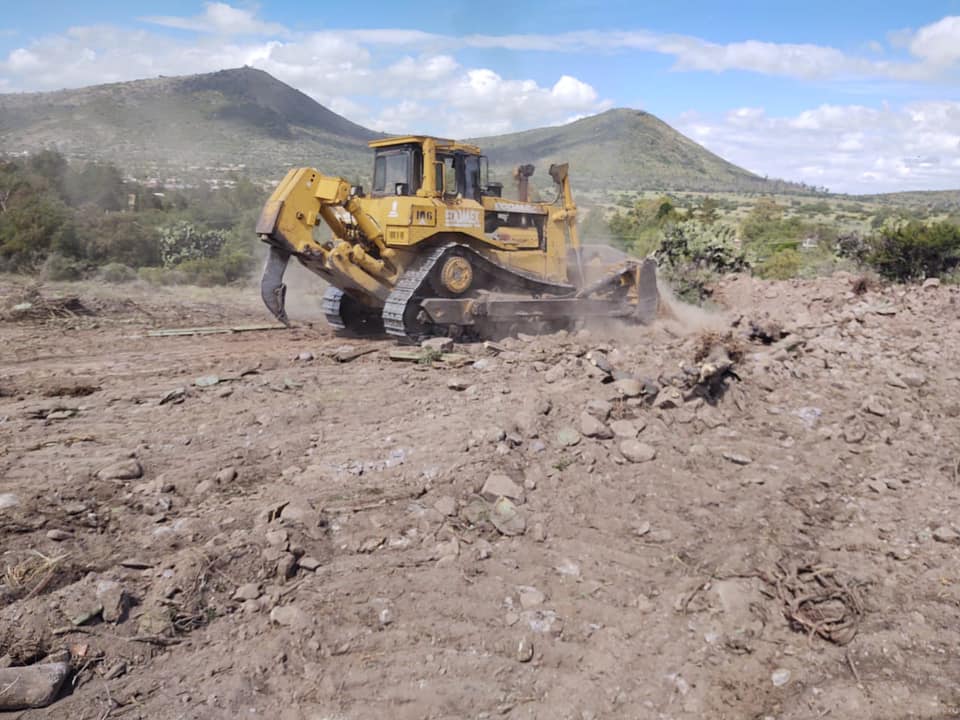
[648, 297]
[272, 289]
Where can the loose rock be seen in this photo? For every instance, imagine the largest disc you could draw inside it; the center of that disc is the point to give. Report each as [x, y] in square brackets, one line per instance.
[628, 387]
[31, 686]
[624, 428]
[130, 469]
[438, 344]
[247, 591]
[500, 485]
[567, 437]
[592, 427]
[945, 535]
[637, 452]
[290, 616]
[506, 518]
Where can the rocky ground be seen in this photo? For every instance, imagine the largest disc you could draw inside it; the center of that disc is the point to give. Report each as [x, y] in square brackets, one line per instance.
[743, 514]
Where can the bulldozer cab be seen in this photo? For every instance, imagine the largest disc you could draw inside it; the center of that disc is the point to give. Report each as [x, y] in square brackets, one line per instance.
[430, 167]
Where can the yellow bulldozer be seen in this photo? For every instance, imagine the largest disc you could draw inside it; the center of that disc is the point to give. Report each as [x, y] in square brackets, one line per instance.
[435, 248]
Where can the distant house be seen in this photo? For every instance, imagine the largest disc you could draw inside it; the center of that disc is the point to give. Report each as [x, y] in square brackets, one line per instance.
[809, 243]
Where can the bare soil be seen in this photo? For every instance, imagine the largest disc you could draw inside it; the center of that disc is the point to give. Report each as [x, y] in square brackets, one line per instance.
[238, 525]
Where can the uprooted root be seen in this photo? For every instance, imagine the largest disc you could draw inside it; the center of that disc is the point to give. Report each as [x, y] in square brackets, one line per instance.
[819, 600]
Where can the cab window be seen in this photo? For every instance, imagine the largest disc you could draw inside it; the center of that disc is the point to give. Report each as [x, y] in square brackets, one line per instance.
[391, 173]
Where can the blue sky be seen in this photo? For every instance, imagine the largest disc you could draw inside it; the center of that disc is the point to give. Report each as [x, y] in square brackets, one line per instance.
[855, 96]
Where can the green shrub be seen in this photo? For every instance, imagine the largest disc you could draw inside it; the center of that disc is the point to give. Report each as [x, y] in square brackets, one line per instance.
[692, 253]
[59, 268]
[913, 250]
[782, 265]
[117, 273]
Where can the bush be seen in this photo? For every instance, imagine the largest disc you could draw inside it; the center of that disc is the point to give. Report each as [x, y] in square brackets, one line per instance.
[914, 250]
[782, 265]
[117, 273]
[691, 254]
[59, 268]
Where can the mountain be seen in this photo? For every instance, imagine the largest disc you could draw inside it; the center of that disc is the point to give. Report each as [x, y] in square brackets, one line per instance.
[622, 149]
[209, 123]
[246, 120]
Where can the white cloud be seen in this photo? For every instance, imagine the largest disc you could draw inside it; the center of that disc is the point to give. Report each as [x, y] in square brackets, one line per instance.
[222, 19]
[848, 148]
[435, 93]
[938, 43]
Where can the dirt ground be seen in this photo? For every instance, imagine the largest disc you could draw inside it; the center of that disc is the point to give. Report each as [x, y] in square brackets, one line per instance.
[610, 523]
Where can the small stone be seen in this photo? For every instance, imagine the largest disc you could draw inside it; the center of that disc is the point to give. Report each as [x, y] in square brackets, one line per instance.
[736, 458]
[8, 500]
[305, 356]
[207, 381]
[668, 398]
[592, 427]
[931, 283]
[438, 344]
[628, 387]
[385, 617]
[290, 616]
[113, 598]
[458, 383]
[878, 486]
[568, 567]
[568, 437]
[875, 406]
[287, 566]
[506, 518]
[446, 506]
[500, 485]
[278, 538]
[537, 446]
[945, 535]
[248, 591]
[308, 563]
[854, 433]
[451, 548]
[58, 535]
[525, 649]
[527, 423]
[226, 475]
[136, 564]
[780, 677]
[116, 670]
[642, 529]
[530, 597]
[624, 429]
[600, 409]
[555, 374]
[637, 452]
[130, 469]
[913, 378]
[483, 549]
[538, 533]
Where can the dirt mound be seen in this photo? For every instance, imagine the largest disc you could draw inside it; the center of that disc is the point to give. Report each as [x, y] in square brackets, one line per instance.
[749, 517]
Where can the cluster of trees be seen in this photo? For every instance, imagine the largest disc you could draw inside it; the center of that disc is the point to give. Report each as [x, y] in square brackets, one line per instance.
[72, 220]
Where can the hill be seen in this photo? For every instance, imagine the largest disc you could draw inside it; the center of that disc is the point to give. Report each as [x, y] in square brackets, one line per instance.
[624, 149]
[208, 125]
[198, 124]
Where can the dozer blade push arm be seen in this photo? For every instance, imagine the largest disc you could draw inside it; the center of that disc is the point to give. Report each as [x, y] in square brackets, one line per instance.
[303, 199]
[295, 207]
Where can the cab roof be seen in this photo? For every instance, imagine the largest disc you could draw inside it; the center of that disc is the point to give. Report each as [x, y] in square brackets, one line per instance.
[443, 144]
